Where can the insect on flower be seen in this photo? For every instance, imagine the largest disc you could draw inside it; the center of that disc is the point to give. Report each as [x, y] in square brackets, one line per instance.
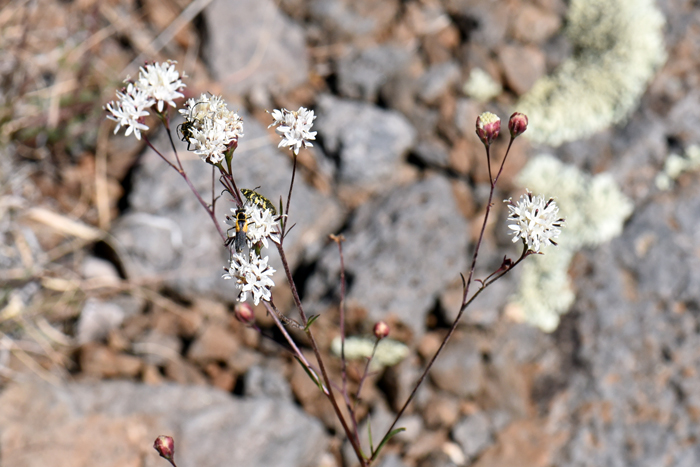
[241, 229]
[259, 200]
[185, 132]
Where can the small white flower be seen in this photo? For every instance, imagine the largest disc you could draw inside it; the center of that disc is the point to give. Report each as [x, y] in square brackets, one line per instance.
[162, 82]
[294, 127]
[536, 221]
[211, 127]
[261, 225]
[251, 275]
[129, 110]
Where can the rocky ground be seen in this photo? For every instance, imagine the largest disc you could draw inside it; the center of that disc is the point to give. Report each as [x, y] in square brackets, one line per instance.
[115, 323]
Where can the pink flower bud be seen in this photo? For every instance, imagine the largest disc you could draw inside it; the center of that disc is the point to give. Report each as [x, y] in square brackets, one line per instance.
[488, 126]
[244, 313]
[381, 330]
[165, 445]
[517, 124]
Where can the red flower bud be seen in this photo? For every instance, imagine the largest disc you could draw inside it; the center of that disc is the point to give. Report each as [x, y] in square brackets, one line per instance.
[517, 124]
[244, 313]
[488, 126]
[381, 330]
[165, 445]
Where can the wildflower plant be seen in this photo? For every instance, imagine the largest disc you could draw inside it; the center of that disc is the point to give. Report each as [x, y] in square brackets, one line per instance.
[255, 225]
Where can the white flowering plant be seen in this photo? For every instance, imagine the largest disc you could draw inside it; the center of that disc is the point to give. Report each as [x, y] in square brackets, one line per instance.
[212, 131]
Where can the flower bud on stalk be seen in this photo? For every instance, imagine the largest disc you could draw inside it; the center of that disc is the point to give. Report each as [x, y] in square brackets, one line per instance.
[381, 330]
[244, 313]
[488, 126]
[165, 445]
[517, 124]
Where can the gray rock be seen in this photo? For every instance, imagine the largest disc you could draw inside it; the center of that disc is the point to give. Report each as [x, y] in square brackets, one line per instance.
[483, 20]
[115, 423]
[437, 80]
[157, 348]
[267, 381]
[473, 433]
[349, 19]
[400, 251]
[433, 152]
[100, 270]
[97, 318]
[264, 50]
[459, 369]
[369, 141]
[391, 460]
[361, 76]
[166, 234]
[636, 341]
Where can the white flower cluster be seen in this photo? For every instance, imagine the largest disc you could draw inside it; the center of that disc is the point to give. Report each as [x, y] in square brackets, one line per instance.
[535, 221]
[595, 211]
[252, 274]
[294, 127]
[210, 127]
[157, 83]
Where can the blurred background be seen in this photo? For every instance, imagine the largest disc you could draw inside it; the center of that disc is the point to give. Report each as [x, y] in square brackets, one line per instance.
[115, 324]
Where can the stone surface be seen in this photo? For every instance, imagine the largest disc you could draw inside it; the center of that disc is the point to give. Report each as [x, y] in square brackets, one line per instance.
[167, 234]
[473, 433]
[459, 370]
[97, 318]
[437, 80]
[350, 19]
[215, 343]
[400, 250]
[634, 386]
[522, 66]
[535, 24]
[265, 50]
[361, 76]
[267, 381]
[114, 424]
[369, 142]
[433, 152]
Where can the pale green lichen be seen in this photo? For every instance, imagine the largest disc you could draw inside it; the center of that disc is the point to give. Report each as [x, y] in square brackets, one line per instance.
[675, 165]
[481, 86]
[595, 210]
[389, 352]
[618, 45]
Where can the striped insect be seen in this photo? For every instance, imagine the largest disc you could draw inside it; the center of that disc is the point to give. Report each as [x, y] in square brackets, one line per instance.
[259, 200]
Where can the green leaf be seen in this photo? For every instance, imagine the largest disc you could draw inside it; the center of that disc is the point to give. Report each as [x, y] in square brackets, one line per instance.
[369, 433]
[386, 439]
[311, 375]
[311, 320]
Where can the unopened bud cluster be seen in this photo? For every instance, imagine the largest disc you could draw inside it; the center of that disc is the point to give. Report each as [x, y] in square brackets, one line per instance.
[488, 126]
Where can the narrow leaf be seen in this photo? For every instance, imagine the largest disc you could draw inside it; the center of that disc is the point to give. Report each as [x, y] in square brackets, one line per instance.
[386, 439]
[311, 375]
[311, 320]
[369, 433]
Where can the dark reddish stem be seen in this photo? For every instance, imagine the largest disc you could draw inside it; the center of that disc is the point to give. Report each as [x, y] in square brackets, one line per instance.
[343, 363]
[366, 372]
[465, 302]
[183, 174]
